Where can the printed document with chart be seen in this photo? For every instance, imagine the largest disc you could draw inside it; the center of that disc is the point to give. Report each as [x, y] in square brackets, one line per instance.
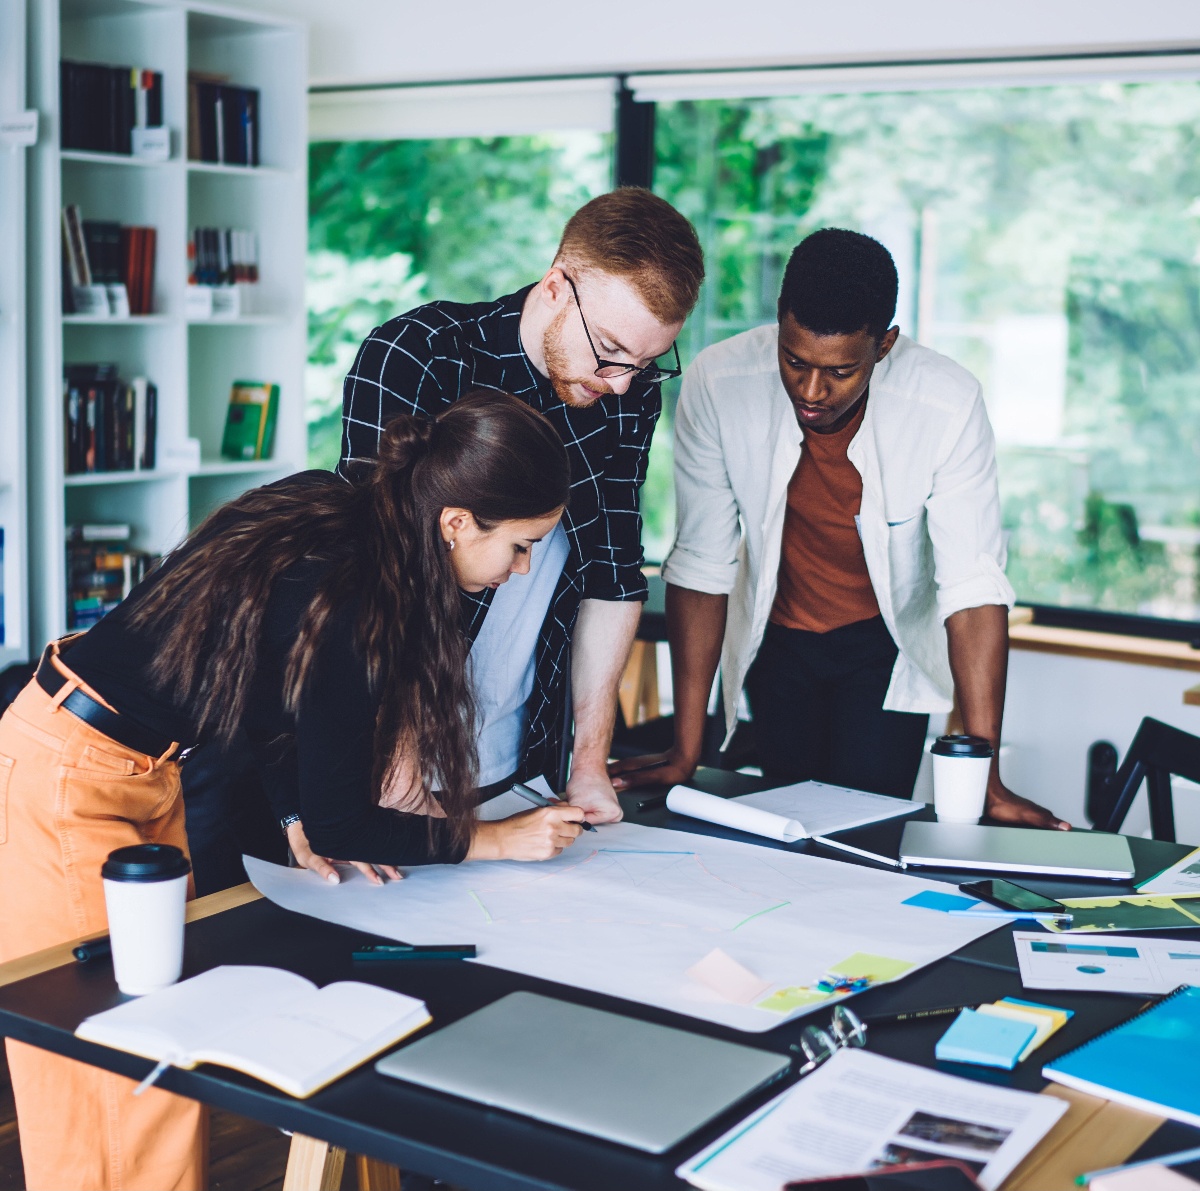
[727, 931]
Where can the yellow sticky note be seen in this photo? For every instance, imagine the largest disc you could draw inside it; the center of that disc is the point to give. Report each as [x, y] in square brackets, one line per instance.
[784, 1000]
[877, 968]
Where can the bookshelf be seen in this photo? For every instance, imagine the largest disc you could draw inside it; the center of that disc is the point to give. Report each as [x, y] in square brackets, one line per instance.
[193, 362]
[14, 642]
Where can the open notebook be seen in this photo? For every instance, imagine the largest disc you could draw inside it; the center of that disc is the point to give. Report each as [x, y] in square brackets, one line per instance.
[806, 810]
[268, 1023]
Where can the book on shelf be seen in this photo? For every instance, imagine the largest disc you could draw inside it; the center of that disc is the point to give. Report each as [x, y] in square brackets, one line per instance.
[101, 253]
[222, 121]
[102, 105]
[250, 422]
[222, 256]
[110, 424]
[102, 569]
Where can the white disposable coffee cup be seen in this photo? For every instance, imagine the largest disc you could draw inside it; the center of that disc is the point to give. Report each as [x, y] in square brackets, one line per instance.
[145, 890]
[961, 765]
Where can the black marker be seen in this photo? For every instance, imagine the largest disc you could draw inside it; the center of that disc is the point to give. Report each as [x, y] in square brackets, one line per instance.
[93, 949]
[411, 951]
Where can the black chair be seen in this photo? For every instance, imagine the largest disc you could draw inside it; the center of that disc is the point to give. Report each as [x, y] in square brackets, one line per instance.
[1157, 751]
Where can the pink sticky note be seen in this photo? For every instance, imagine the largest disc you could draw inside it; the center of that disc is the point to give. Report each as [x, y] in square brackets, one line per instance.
[723, 975]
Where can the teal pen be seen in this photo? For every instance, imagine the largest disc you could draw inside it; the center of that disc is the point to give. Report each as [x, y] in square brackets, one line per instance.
[531, 795]
[1166, 1160]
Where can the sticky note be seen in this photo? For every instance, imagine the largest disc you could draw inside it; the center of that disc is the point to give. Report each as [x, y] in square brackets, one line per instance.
[1043, 1024]
[931, 899]
[985, 1040]
[784, 1000]
[874, 967]
[1061, 1016]
[722, 974]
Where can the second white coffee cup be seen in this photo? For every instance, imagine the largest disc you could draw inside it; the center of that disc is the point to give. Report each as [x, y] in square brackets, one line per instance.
[145, 891]
[961, 765]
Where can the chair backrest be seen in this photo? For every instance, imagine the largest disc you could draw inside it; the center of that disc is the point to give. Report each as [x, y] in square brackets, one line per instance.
[1158, 751]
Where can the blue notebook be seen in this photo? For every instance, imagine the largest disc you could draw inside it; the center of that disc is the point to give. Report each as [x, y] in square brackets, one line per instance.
[1149, 1062]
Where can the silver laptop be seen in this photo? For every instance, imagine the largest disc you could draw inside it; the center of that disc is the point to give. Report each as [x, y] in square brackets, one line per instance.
[628, 1081]
[1017, 850]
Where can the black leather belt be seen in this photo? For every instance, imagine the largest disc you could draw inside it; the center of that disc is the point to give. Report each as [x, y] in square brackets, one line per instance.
[116, 727]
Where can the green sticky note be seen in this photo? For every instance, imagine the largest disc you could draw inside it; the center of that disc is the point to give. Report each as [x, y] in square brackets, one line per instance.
[784, 1000]
[876, 967]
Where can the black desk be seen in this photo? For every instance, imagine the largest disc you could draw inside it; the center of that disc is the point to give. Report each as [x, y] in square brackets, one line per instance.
[477, 1148]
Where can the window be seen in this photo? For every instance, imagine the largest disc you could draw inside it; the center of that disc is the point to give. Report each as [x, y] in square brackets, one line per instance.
[1047, 238]
[393, 224]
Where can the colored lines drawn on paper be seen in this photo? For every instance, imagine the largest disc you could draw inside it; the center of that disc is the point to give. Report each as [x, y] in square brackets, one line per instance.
[630, 887]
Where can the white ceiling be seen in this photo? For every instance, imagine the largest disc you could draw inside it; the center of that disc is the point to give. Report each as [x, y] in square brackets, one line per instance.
[380, 41]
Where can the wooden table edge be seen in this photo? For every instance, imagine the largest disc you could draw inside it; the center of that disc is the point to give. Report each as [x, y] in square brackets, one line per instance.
[46, 960]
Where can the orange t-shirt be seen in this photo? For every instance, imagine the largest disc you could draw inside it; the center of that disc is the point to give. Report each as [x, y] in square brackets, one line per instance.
[823, 580]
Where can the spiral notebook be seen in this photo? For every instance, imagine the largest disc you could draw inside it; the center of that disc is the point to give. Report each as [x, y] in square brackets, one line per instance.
[1148, 1062]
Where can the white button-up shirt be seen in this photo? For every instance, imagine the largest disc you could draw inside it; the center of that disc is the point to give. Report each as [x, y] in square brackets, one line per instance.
[930, 515]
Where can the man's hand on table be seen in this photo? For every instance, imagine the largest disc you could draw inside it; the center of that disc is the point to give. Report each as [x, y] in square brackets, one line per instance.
[652, 769]
[1011, 810]
[323, 866]
[593, 793]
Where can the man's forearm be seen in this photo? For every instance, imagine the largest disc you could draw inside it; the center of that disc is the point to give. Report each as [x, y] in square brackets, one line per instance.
[695, 629]
[978, 642]
[600, 647]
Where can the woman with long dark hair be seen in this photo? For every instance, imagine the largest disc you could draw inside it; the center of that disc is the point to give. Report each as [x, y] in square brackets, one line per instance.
[321, 621]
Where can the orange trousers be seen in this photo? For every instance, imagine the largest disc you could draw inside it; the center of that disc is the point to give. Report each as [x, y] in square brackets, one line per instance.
[69, 795]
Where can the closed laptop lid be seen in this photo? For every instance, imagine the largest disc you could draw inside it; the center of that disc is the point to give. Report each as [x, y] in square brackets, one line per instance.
[633, 1082]
[1018, 850]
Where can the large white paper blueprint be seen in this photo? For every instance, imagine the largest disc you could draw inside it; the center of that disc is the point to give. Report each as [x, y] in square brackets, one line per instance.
[628, 910]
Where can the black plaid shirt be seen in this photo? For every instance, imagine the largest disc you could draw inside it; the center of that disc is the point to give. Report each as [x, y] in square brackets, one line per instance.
[423, 361]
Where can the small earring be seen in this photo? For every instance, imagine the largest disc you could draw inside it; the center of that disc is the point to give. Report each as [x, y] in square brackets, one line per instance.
[451, 543]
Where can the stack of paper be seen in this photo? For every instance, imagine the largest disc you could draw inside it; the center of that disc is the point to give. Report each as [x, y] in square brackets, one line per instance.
[1002, 1034]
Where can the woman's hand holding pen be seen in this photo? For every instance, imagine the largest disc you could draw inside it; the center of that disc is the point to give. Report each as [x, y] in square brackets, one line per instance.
[323, 866]
[531, 835]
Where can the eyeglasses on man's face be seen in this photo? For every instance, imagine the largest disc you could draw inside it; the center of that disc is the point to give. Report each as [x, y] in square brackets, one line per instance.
[607, 369]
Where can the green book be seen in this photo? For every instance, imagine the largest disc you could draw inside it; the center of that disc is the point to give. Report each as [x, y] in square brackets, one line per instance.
[250, 422]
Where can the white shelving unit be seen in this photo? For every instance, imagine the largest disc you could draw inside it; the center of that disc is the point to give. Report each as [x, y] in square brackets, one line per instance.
[14, 644]
[193, 363]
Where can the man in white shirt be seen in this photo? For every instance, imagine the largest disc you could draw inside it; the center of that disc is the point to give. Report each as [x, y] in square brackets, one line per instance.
[838, 545]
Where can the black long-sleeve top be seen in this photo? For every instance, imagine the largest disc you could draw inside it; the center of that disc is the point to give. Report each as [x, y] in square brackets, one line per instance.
[319, 759]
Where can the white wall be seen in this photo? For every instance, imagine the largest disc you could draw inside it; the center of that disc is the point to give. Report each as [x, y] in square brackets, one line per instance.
[367, 41]
[1058, 706]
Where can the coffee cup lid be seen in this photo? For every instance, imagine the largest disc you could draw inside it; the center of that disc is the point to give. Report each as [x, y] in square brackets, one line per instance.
[962, 746]
[146, 862]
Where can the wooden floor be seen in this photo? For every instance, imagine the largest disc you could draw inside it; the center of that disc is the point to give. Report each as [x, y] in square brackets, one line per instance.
[246, 1156]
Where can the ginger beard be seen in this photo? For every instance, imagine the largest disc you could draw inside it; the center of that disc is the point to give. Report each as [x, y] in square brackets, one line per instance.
[558, 368]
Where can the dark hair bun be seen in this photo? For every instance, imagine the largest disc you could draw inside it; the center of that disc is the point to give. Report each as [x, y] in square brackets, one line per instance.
[404, 440]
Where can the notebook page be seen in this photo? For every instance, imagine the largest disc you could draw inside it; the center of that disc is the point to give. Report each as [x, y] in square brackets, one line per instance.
[301, 1043]
[178, 1021]
[824, 809]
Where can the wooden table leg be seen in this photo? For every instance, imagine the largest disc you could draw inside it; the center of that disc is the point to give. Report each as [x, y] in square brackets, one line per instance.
[313, 1165]
[374, 1175]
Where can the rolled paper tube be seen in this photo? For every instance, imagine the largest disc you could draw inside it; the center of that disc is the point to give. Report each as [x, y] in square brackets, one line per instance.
[729, 812]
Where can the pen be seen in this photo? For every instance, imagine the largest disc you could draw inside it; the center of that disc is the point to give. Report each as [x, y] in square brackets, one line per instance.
[413, 951]
[1166, 1160]
[917, 1014]
[93, 949]
[833, 843]
[531, 795]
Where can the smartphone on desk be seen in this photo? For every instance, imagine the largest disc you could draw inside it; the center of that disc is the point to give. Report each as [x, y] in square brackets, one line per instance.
[946, 1175]
[1008, 896]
